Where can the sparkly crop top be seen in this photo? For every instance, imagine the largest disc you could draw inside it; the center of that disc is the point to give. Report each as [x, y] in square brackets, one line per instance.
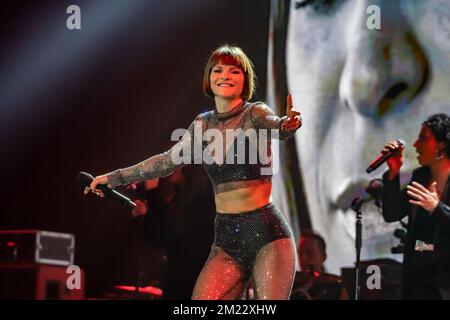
[232, 146]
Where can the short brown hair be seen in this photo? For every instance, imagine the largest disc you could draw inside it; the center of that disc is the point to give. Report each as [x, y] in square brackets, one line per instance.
[235, 56]
[308, 234]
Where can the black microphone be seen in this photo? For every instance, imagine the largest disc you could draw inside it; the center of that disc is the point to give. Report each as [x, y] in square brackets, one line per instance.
[383, 156]
[398, 249]
[358, 202]
[400, 234]
[85, 180]
[375, 191]
[375, 188]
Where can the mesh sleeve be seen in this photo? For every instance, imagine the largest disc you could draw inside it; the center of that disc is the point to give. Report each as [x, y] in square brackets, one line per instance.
[263, 117]
[163, 164]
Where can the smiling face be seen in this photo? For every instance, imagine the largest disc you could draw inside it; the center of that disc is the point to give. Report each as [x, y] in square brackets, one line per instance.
[226, 81]
[357, 89]
[233, 71]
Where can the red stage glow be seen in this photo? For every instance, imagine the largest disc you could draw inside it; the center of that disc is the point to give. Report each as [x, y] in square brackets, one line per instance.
[150, 290]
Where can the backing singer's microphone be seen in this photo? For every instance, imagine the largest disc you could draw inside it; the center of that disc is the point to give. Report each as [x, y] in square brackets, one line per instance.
[383, 156]
[85, 180]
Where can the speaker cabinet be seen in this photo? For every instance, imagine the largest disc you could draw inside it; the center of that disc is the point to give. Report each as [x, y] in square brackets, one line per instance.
[37, 282]
[390, 277]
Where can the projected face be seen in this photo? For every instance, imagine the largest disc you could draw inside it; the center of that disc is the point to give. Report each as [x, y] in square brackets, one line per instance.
[358, 89]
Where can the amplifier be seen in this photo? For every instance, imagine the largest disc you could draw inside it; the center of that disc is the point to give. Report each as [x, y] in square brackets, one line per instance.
[32, 281]
[390, 280]
[37, 246]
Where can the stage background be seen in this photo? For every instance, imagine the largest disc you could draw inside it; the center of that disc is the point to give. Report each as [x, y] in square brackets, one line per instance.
[104, 97]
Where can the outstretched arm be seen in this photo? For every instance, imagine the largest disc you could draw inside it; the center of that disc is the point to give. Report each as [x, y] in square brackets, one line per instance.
[157, 166]
[264, 117]
[154, 167]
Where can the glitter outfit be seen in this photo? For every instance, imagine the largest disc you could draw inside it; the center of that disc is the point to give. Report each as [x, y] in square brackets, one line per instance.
[256, 244]
[242, 235]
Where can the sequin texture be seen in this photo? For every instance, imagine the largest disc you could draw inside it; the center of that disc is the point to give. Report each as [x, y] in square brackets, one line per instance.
[256, 245]
[223, 176]
[242, 235]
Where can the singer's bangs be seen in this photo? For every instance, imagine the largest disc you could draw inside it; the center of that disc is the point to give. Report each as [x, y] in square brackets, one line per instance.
[231, 55]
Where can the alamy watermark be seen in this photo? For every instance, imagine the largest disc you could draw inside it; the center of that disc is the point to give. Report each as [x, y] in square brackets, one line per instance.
[374, 20]
[374, 280]
[261, 149]
[74, 279]
[73, 21]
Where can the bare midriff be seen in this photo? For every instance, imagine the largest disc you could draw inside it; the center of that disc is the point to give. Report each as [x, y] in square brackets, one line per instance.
[244, 199]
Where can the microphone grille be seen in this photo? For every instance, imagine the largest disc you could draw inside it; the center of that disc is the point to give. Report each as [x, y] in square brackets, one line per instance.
[84, 178]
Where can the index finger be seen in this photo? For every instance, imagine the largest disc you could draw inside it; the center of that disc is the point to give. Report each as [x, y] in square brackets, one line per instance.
[93, 185]
[289, 105]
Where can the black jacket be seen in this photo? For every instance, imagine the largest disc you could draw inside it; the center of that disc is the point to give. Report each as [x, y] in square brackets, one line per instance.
[432, 267]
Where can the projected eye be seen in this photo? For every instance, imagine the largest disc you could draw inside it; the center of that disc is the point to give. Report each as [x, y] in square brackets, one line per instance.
[319, 6]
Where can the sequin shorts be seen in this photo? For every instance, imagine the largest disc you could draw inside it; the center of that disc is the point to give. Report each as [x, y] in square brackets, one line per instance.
[242, 235]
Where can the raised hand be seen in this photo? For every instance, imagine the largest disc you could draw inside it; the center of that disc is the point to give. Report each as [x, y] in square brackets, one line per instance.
[427, 199]
[396, 161]
[294, 120]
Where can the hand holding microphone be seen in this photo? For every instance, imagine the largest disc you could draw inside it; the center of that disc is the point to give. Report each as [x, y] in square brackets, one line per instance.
[395, 161]
[91, 183]
[99, 187]
[393, 154]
